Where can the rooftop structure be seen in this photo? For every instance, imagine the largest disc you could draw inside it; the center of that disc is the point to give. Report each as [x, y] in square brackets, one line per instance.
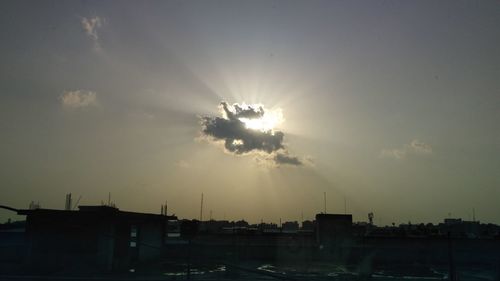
[98, 236]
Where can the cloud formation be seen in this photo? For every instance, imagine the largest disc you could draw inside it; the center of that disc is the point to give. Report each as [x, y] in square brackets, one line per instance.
[78, 99]
[90, 26]
[182, 164]
[236, 129]
[284, 158]
[415, 147]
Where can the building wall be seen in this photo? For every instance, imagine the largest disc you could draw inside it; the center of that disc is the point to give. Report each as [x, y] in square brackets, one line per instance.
[150, 241]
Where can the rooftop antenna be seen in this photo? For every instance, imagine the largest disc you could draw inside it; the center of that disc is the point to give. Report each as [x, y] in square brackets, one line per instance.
[67, 205]
[201, 208]
[77, 201]
[34, 206]
[324, 197]
[109, 199]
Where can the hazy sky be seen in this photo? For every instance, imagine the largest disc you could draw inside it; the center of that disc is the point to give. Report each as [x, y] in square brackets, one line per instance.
[393, 106]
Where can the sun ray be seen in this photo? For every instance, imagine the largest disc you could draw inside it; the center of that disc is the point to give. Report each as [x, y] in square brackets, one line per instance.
[268, 122]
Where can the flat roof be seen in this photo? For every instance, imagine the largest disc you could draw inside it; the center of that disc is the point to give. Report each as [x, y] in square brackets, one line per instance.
[334, 216]
[95, 211]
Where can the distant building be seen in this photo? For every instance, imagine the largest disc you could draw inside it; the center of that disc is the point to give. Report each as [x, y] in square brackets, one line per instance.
[213, 226]
[269, 227]
[333, 228]
[102, 237]
[241, 223]
[460, 228]
[451, 221]
[290, 227]
[308, 225]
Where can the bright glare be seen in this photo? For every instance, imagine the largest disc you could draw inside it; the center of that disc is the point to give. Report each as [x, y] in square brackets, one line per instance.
[268, 122]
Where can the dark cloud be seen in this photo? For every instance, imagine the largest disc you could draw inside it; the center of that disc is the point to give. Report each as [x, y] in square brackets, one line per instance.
[282, 158]
[239, 139]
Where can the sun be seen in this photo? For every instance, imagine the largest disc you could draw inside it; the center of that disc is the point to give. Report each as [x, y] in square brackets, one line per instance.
[269, 121]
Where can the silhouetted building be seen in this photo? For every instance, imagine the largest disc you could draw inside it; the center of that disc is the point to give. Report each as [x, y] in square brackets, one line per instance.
[241, 223]
[460, 228]
[99, 237]
[269, 227]
[332, 228]
[290, 226]
[213, 226]
[451, 221]
[308, 225]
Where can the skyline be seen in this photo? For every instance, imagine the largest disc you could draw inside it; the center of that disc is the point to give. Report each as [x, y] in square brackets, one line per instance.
[391, 106]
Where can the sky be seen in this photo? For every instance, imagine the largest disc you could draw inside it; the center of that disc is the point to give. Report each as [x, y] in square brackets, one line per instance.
[390, 107]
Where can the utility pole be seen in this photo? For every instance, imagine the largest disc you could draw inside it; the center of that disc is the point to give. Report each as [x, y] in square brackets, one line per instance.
[324, 197]
[201, 208]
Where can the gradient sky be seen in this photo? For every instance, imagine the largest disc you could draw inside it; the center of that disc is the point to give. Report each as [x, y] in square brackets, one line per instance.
[394, 104]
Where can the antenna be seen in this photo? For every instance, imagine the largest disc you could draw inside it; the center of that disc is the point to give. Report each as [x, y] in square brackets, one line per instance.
[109, 199]
[201, 208]
[324, 195]
[67, 205]
[370, 218]
[77, 201]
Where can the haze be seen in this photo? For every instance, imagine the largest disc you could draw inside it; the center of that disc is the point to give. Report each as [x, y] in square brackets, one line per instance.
[390, 106]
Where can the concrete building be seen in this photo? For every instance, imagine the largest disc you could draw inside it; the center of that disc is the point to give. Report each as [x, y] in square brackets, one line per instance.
[99, 238]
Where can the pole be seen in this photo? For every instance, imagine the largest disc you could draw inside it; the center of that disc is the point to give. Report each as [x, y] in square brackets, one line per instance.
[324, 197]
[201, 208]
